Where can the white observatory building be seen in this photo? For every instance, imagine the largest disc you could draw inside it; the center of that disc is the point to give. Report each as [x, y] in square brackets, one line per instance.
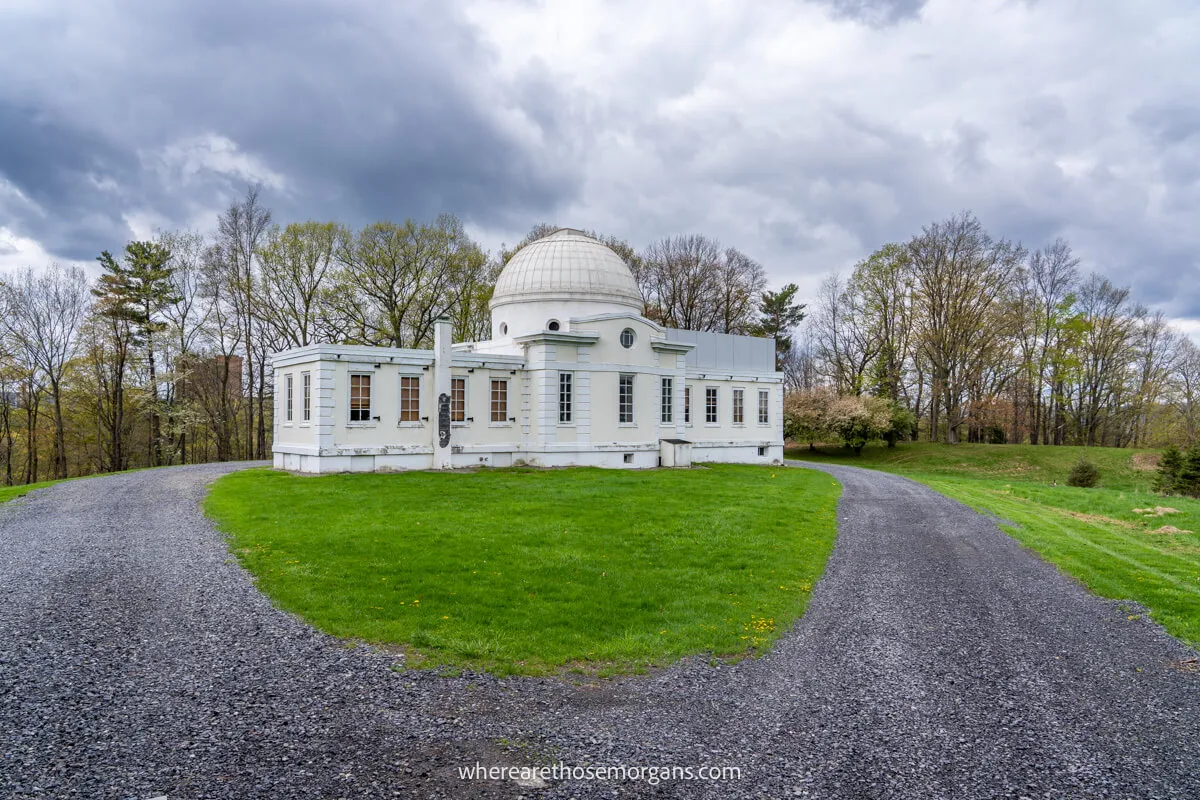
[573, 375]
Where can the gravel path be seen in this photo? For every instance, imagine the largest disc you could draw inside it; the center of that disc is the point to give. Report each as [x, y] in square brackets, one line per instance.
[937, 659]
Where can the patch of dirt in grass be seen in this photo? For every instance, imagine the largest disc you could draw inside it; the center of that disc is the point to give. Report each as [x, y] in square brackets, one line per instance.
[1157, 511]
[1097, 518]
[1169, 529]
[1145, 462]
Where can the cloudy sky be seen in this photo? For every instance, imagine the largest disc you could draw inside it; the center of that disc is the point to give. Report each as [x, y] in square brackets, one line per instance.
[805, 132]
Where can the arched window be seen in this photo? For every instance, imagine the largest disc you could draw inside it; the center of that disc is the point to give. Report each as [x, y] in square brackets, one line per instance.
[627, 337]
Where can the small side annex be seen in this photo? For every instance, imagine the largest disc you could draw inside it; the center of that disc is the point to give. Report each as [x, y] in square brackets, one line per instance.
[603, 386]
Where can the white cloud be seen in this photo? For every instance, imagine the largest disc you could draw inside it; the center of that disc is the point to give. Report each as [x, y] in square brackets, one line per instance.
[809, 139]
[186, 162]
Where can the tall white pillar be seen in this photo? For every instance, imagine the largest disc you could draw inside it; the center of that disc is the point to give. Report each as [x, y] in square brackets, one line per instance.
[442, 355]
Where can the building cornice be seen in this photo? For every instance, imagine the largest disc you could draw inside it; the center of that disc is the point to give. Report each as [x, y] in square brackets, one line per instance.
[559, 337]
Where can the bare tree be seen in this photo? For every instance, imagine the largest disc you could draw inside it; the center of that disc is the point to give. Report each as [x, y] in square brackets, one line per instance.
[240, 230]
[297, 262]
[42, 312]
[690, 282]
[961, 278]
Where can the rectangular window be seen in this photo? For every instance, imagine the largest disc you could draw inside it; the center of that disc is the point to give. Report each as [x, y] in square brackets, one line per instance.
[739, 406]
[710, 404]
[625, 399]
[687, 405]
[499, 400]
[764, 403]
[306, 393]
[458, 399]
[410, 398]
[288, 395]
[360, 398]
[668, 401]
[564, 397]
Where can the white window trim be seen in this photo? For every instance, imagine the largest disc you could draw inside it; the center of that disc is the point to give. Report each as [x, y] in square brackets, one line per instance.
[758, 416]
[306, 421]
[508, 421]
[689, 418]
[716, 410]
[289, 400]
[666, 423]
[733, 406]
[558, 407]
[421, 411]
[369, 422]
[632, 423]
[466, 421]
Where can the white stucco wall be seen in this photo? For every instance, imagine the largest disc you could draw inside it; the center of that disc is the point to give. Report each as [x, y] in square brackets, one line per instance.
[590, 350]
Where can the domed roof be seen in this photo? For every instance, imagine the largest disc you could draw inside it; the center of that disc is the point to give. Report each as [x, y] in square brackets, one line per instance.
[567, 265]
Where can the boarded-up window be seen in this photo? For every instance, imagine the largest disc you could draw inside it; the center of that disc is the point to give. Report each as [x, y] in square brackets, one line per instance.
[458, 399]
[499, 400]
[410, 398]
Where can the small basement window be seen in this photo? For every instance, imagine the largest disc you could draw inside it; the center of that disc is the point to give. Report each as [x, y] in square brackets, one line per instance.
[762, 451]
[629, 458]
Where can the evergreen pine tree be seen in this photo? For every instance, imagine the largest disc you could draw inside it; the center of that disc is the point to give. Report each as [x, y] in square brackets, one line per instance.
[1189, 473]
[1169, 464]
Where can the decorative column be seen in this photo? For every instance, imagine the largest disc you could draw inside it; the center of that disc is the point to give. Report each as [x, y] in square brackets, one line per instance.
[442, 355]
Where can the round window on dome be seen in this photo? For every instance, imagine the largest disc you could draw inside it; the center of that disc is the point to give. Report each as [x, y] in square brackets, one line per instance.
[553, 325]
[627, 338]
[504, 329]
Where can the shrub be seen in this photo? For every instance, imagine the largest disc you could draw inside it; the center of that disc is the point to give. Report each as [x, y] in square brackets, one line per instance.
[858, 420]
[1084, 474]
[806, 415]
[1169, 465]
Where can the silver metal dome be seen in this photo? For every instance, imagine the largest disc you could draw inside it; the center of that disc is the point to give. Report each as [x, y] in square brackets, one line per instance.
[568, 265]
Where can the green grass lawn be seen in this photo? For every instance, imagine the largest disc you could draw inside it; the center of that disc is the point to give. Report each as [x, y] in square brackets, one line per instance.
[1091, 534]
[12, 492]
[535, 571]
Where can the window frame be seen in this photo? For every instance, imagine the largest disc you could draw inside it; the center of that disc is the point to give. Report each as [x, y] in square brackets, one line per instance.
[462, 420]
[306, 393]
[687, 404]
[666, 400]
[504, 420]
[289, 386]
[417, 420]
[350, 409]
[712, 411]
[764, 406]
[626, 407]
[737, 406]
[566, 398]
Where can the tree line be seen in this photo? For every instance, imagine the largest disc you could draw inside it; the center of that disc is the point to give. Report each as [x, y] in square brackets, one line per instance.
[163, 359]
[973, 337]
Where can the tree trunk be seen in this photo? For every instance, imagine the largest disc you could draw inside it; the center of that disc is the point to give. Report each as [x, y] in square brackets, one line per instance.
[60, 444]
[155, 425]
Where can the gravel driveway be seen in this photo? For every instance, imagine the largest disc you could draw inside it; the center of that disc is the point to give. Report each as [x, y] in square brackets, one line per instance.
[937, 659]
